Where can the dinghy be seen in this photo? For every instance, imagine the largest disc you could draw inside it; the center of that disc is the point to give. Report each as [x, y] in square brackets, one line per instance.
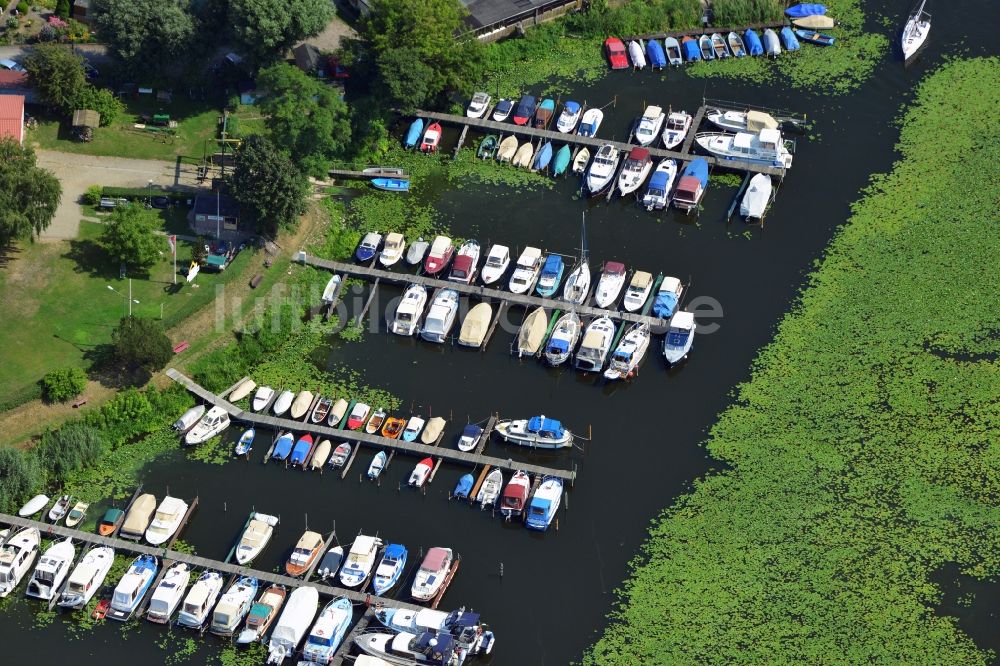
[654, 53]
[719, 46]
[245, 443]
[543, 157]
[167, 595]
[375, 422]
[330, 291]
[706, 48]
[76, 514]
[563, 339]
[392, 250]
[610, 284]
[320, 455]
[337, 412]
[581, 160]
[433, 430]
[389, 569]
[301, 404]
[756, 198]
[814, 22]
[772, 46]
[658, 191]
[561, 161]
[392, 427]
[668, 297]
[813, 37]
[110, 521]
[636, 54]
[306, 551]
[569, 117]
[262, 614]
[629, 353]
[433, 572]
[515, 495]
[789, 40]
[490, 490]
[544, 504]
[413, 427]
[673, 51]
[283, 402]
[676, 128]
[649, 125]
[255, 537]
[463, 487]
[416, 253]
[488, 147]
[391, 184]
[915, 32]
[321, 410]
[532, 333]
[591, 122]
[507, 149]
[680, 337]
[469, 440]
[340, 455]
[262, 397]
[475, 325]
[298, 613]
[33, 506]
[413, 134]
[538, 432]
[420, 473]
[189, 418]
[502, 110]
[358, 416]
[522, 158]
[736, 45]
[377, 465]
[596, 345]
[636, 169]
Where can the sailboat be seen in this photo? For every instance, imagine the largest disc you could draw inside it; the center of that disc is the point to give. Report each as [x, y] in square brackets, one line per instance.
[915, 31]
[577, 285]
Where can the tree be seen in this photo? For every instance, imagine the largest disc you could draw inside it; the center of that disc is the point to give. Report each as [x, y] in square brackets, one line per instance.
[29, 195]
[140, 343]
[407, 82]
[57, 74]
[145, 33]
[305, 117]
[63, 384]
[266, 29]
[266, 181]
[63, 9]
[20, 475]
[70, 448]
[101, 100]
[128, 237]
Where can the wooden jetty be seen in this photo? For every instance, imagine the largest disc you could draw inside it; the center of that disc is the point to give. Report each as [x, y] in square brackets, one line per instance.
[360, 437]
[384, 172]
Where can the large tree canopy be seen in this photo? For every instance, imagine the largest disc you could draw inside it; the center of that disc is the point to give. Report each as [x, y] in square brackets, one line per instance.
[129, 237]
[29, 195]
[266, 29]
[57, 74]
[266, 181]
[145, 34]
[141, 343]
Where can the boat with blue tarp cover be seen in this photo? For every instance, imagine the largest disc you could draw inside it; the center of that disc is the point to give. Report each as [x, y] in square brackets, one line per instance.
[544, 157]
[668, 297]
[754, 45]
[525, 110]
[805, 9]
[537, 432]
[789, 40]
[414, 133]
[471, 434]
[690, 48]
[544, 504]
[302, 449]
[463, 487]
[283, 446]
[551, 275]
[654, 53]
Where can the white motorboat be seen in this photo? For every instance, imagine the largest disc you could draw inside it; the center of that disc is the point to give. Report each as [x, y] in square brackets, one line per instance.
[658, 191]
[538, 432]
[637, 55]
[262, 397]
[77, 514]
[563, 339]
[331, 288]
[200, 599]
[479, 105]
[609, 285]
[741, 121]
[413, 427]
[33, 506]
[629, 353]
[168, 593]
[475, 325]
[680, 337]
[298, 613]
[60, 508]
[432, 573]
[441, 316]
[532, 333]
[211, 424]
[634, 172]
[392, 251]
[676, 128]
[756, 198]
[591, 122]
[497, 262]
[915, 32]
[234, 606]
[490, 490]
[544, 504]
[410, 310]
[360, 561]
[189, 418]
[52, 569]
[87, 578]
[420, 473]
[581, 161]
[255, 537]
[502, 110]
[526, 271]
[596, 344]
[602, 168]
[765, 147]
[649, 125]
[406, 649]
[569, 117]
[417, 251]
[327, 634]
[283, 402]
[466, 263]
[577, 285]
[166, 520]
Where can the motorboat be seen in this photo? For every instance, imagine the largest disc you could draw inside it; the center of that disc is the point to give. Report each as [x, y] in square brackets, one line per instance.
[736, 45]
[331, 289]
[432, 431]
[690, 49]
[668, 297]
[706, 48]
[490, 490]
[393, 427]
[636, 55]
[255, 537]
[488, 147]
[234, 606]
[539, 432]
[321, 409]
[602, 168]
[140, 514]
[463, 487]
[475, 325]
[358, 416]
[320, 455]
[563, 339]
[330, 564]
[544, 504]
[638, 291]
[441, 316]
[245, 443]
[360, 561]
[673, 52]
[439, 256]
[389, 569]
[166, 520]
[741, 121]
[680, 337]
[283, 402]
[132, 587]
[629, 353]
[752, 40]
[525, 110]
[654, 54]
[60, 508]
[377, 465]
[16, 557]
[691, 185]
[561, 160]
[300, 453]
[410, 310]
[636, 169]
[531, 335]
[111, 521]
[502, 110]
[391, 184]
[596, 345]
[471, 434]
[303, 401]
[813, 37]
[542, 157]
[417, 250]
[507, 149]
[614, 49]
[550, 276]
[211, 424]
[772, 46]
[413, 134]
[915, 31]
[464, 626]
[87, 578]
[306, 551]
[368, 247]
[719, 46]
[189, 418]
[591, 122]
[466, 263]
[658, 191]
[33, 506]
[765, 147]
[340, 455]
[337, 413]
[676, 128]
[526, 271]
[569, 117]
[168, 593]
[420, 472]
[200, 599]
[515, 495]
[262, 614]
[432, 138]
[788, 39]
[392, 250]
[329, 630]
[262, 397]
[405, 649]
[609, 285]
[497, 261]
[522, 158]
[543, 114]
[413, 427]
[432, 573]
[283, 446]
[479, 105]
[649, 125]
[52, 569]
[756, 198]
[299, 610]
[577, 286]
[77, 514]
[581, 161]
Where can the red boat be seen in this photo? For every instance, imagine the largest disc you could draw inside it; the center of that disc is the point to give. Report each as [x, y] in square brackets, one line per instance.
[358, 416]
[101, 610]
[439, 255]
[432, 137]
[615, 50]
[515, 495]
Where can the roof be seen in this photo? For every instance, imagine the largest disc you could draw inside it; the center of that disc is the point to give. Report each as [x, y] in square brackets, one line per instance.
[553, 263]
[307, 57]
[472, 431]
[688, 184]
[542, 424]
[769, 135]
[10, 79]
[572, 107]
[86, 118]
[364, 544]
[652, 112]
[670, 284]
[12, 117]
[394, 238]
[757, 120]
[682, 319]
[639, 154]
[436, 558]
[483, 13]
[208, 204]
[614, 267]
[742, 140]
[641, 279]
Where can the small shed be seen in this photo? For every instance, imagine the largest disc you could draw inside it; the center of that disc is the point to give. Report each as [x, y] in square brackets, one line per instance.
[85, 121]
[307, 58]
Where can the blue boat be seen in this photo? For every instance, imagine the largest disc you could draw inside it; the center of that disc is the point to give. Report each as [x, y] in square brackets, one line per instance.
[377, 465]
[525, 110]
[813, 37]
[691, 51]
[415, 132]
[389, 569]
[133, 587]
[391, 184]
[368, 247]
[283, 447]
[805, 9]
[245, 444]
[561, 161]
[328, 632]
[544, 504]
[463, 487]
[789, 40]
[302, 449]
[654, 53]
[544, 156]
[551, 275]
[754, 45]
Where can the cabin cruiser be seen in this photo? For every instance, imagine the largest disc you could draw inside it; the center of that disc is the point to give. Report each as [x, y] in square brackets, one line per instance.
[52, 569]
[479, 105]
[610, 284]
[538, 432]
[563, 339]
[262, 614]
[306, 550]
[676, 128]
[389, 569]
[463, 269]
[658, 191]
[680, 337]
[166, 520]
[432, 574]
[328, 632]
[392, 251]
[168, 593]
[529, 264]
[87, 578]
[234, 606]
[765, 147]
[214, 422]
[515, 495]
[200, 599]
[464, 626]
[360, 561]
[741, 121]
[544, 504]
[638, 164]
[496, 264]
[591, 122]
[649, 126]
[569, 117]
[602, 168]
[471, 435]
[629, 353]
[298, 613]
[133, 587]
[410, 309]
[441, 316]
[255, 537]
[668, 297]
[595, 345]
[406, 649]
[439, 255]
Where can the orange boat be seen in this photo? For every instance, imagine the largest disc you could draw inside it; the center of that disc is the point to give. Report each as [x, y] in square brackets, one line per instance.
[110, 522]
[393, 427]
[305, 553]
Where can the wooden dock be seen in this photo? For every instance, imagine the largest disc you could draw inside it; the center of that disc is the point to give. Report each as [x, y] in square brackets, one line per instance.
[360, 437]
[383, 173]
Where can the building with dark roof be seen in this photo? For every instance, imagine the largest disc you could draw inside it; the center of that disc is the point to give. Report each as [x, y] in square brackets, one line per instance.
[215, 213]
[490, 16]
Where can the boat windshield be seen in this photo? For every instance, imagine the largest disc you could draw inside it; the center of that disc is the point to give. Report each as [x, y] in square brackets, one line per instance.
[404, 316]
[320, 640]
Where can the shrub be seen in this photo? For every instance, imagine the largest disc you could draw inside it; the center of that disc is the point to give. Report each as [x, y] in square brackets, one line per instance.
[92, 196]
[70, 448]
[63, 384]
[103, 101]
[20, 475]
[47, 33]
[22, 7]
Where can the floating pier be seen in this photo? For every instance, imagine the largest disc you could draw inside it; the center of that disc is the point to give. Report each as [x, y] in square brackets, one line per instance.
[381, 172]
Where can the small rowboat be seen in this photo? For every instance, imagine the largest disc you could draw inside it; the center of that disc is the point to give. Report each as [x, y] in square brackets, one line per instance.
[813, 37]
[391, 184]
[245, 445]
[60, 508]
[375, 422]
[814, 22]
[340, 455]
[243, 390]
[393, 427]
[377, 465]
[101, 610]
[580, 163]
[705, 44]
[321, 410]
[488, 147]
[736, 45]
